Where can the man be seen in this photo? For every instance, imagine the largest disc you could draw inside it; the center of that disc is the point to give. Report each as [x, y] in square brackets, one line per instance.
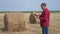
[44, 18]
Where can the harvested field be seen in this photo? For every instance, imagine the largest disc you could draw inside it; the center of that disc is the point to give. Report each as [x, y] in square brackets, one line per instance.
[35, 28]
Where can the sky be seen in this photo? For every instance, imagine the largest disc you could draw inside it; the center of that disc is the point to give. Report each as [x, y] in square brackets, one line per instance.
[28, 5]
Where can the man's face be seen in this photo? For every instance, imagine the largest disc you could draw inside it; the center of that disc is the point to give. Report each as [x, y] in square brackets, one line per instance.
[42, 6]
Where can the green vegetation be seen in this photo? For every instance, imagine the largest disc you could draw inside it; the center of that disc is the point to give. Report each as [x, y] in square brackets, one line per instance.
[25, 11]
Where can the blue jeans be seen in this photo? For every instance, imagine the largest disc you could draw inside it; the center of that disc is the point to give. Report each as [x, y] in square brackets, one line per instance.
[44, 30]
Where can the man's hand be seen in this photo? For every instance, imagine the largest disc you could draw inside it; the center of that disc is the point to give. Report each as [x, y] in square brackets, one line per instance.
[36, 16]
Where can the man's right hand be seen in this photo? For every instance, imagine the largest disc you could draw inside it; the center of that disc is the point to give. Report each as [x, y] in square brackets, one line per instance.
[35, 14]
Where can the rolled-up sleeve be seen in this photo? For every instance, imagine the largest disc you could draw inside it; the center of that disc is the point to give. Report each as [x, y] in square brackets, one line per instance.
[45, 16]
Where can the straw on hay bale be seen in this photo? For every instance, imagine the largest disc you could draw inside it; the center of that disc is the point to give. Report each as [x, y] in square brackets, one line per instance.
[14, 22]
[33, 19]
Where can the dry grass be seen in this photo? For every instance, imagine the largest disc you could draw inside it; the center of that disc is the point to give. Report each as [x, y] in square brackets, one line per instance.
[35, 28]
[14, 22]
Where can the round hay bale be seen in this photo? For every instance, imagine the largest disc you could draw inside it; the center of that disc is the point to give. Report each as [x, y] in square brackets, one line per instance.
[14, 22]
[33, 19]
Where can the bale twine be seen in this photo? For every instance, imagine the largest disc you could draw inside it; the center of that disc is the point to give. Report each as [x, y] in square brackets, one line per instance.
[14, 22]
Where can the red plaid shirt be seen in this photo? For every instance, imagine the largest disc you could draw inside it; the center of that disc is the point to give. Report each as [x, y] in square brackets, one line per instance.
[44, 18]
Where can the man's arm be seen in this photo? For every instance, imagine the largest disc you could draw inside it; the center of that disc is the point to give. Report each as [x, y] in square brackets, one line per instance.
[37, 16]
[45, 16]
